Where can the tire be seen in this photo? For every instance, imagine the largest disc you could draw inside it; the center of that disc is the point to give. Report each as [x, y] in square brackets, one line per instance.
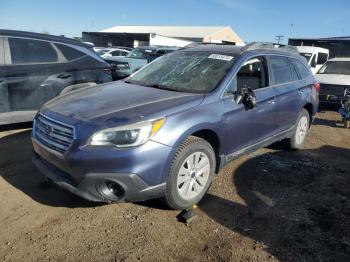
[347, 124]
[187, 183]
[300, 131]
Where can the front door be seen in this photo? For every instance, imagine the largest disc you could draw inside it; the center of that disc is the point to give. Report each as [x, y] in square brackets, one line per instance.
[246, 127]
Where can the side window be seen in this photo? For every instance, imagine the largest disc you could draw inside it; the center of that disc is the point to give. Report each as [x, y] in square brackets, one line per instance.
[322, 58]
[253, 74]
[281, 71]
[115, 53]
[301, 68]
[69, 52]
[25, 51]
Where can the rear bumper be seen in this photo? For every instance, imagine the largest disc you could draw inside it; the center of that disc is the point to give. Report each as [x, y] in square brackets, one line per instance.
[331, 99]
[134, 187]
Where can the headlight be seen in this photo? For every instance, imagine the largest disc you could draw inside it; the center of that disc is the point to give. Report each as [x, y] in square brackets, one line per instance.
[127, 136]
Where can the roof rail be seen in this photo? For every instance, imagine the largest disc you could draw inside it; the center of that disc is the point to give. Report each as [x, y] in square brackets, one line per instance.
[270, 46]
[205, 43]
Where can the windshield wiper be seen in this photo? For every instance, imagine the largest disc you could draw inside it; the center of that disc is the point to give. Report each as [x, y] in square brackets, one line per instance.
[162, 87]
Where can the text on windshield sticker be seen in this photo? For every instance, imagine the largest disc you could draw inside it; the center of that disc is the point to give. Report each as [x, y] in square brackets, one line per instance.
[221, 57]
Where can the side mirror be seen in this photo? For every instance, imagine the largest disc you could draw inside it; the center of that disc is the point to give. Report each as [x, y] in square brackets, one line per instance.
[247, 97]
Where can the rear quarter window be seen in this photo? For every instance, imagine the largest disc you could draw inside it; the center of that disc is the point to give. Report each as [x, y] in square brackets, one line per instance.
[303, 71]
[69, 53]
[25, 51]
[280, 70]
[295, 74]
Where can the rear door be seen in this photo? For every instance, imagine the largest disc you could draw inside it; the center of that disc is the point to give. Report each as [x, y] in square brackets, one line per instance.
[32, 62]
[287, 86]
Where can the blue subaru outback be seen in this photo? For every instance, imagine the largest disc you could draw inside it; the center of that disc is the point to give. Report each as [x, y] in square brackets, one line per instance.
[169, 128]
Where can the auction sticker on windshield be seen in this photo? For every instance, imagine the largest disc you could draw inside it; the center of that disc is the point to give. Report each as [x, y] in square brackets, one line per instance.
[221, 57]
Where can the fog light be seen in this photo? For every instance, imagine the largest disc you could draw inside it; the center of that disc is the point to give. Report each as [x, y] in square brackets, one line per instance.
[111, 190]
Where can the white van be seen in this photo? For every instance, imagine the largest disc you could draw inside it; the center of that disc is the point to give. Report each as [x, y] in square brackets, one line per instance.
[315, 56]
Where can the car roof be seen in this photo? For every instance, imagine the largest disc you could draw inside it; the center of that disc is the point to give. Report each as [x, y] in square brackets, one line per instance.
[53, 38]
[340, 59]
[117, 49]
[157, 47]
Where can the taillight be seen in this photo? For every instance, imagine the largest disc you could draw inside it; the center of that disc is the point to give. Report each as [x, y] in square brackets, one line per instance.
[317, 86]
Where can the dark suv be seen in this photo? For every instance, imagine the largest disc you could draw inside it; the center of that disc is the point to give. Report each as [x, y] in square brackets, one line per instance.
[35, 68]
[166, 130]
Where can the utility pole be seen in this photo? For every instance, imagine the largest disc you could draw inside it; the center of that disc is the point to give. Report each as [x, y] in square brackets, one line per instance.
[279, 38]
[291, 30]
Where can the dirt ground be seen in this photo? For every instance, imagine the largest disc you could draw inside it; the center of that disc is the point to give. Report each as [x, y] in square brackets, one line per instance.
[271, 205]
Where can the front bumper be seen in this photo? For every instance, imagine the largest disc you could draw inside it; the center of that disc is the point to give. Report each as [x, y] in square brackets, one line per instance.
[140, 172]
[135, 188]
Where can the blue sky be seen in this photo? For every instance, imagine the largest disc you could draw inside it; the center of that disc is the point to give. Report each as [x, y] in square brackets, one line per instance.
[259, 20]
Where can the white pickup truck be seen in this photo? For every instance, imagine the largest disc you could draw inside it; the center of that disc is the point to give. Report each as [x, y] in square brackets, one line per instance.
[315, 56]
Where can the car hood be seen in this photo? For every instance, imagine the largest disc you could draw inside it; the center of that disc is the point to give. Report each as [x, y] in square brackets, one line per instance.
[333, 79]
[118, 103]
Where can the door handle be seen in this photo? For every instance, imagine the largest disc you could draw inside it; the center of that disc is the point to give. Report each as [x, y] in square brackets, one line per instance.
[64, 75]
[300, 92]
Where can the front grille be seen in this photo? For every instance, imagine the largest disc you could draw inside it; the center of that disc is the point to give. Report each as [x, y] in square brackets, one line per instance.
[335, 90]
[53, 134]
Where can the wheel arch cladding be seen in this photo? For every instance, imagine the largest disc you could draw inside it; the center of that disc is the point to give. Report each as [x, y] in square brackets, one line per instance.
[310, 109]
[213, 139]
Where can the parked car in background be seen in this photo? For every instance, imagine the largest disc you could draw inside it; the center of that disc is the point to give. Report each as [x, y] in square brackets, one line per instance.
[123, 47]
[136, 59]
[166, 130]
[112, 52]
[315, 56]
[35, 68]
[334, 78]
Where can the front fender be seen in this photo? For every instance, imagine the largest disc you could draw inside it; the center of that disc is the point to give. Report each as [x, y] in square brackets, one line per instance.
[180, 126]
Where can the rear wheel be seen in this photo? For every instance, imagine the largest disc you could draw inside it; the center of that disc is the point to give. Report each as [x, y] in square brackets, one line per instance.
[191, 173]
[346, 123]
[301, 130]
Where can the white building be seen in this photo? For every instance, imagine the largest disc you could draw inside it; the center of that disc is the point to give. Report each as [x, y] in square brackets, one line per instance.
[133, 36]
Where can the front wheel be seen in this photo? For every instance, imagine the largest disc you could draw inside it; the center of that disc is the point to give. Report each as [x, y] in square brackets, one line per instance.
[191, 173]
[301, 130]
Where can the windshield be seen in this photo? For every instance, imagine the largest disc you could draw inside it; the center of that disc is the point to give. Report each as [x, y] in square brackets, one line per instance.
[137, 53]
[194, 72]
[336, 67]
[306, 55]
